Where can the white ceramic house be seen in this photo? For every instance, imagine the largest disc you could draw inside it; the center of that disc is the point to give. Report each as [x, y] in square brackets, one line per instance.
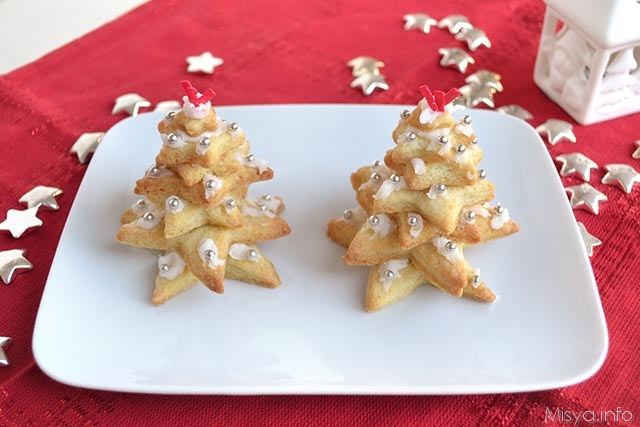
[589, 55]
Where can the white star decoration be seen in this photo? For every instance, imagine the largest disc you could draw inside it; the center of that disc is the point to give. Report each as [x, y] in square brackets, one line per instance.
[131, 103]
[42, 196]
[476, 95]
[418, 21]
[516, 111]
[18, 222]
[636, 153]
[203, 63]
[576, 163]
[590, 241]
[455, 23]
[364, 65]
[370, 82]
[557, 131]
[86, 144]
[454, 57]
[4, 343]
[486, 78]
[624, 176]
[584, 196]
[10, 261]
[474, 37]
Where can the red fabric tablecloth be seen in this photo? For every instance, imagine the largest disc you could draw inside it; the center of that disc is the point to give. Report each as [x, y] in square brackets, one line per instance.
[287, 52]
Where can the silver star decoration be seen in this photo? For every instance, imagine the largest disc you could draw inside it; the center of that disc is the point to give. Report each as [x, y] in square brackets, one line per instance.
[636, 153]
[370, 82]
[41, 196]
[624, 176]
[166, 106]
[418, 21]
[474, 37]
[454, 57]
[130, 103]
[515, 111]
[584, 196]
[476, 95]
[18, 222]
[10, 261]
[455, 23]
[86, 144]
[590, 241]
[576, 163]
[364, 65]
[4, 344]
[203, 63]
[557, 131]
[486, 78]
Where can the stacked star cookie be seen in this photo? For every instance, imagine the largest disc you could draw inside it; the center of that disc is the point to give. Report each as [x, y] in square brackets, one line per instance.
[421, 207]
[195, 208]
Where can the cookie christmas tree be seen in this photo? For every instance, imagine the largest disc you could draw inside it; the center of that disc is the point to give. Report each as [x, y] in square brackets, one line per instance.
[195, 208]
[421, 207]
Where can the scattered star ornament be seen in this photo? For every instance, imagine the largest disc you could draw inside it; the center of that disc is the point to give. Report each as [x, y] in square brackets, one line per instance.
[454, 57]
[576, 163]
[474, 37]
[86, 145]
[515, 111]
[636, 153]
[370, 82]
[557, 131]
[455, 23]
[486, 78]
[42, 196]
[590, 241]
[584, 196]
[11, 261]
[203, 63]
[166, 106]
[130, 103]
[5, 342]
[18, 222]
[364, 65]
[477, 95]
[624, 176]
[419, 21]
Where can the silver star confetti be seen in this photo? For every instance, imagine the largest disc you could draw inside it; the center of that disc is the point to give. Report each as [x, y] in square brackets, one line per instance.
[10, 261]
[364, 65]
[476, 95]
[203, 63]
[590, 241]
[86, 144]
[515, 111]
[636, 153]
[4, 344]
[624, 176]
[474, 37]
[454, 57]
[166, 106]
[455, 23]
[370, 82]
[418, 21]
[42, 196]
[576, 163]
[486, 78]
[18, 222]
[557, 131]
[584, 196]
[131, 103]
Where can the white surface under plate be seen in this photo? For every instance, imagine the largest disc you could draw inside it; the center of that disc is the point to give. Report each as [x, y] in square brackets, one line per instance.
[96, 327]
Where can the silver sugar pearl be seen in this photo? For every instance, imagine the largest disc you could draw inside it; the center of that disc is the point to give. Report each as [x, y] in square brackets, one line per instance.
[347, 214]
[375, 177]
[377, 163]
[412, 220]
[172, 138]
[234, 126]
[443, 140]
[211, 184]
[141, 203]
[411, 136]
[251, 158]
[440, 188]
[499, 208]
[209, 254]
[475, 280]
[394, 178]
[482, 174]
[374, 220]
[252, 254]
[205, 141]
[461, 148]
[154, 170]
[450, 246]
[230, 204]
[262, 207]
[388, 274]
[470, 215]
[404, 114]
[466, 119]
[267, 197]
[148, 216]
[164, 267]
[170, 115]
[474, 140]
[173, 202]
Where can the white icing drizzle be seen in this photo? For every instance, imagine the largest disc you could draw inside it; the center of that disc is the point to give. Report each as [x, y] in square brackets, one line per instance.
[210, 192]
[476, 272]
[464, 129]
[174, 210]
[150, 218]
[161, 171]
[498, 220]
[384, 226]
[142, 205]
[358, 215]
[415, 230]
[388, 187]
[177, 143]
[381, 170]
[209, 245]
[241, 252]
[427, 115]
[478, 210]
[393, 265]
[419, 167]
[434, 194]
[261, 207]
[195, 111]
[255, 162]
[174, 265]
[461, 157]
[452, 255]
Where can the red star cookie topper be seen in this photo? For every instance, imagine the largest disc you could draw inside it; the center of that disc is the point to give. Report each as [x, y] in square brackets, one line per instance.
[194, 96]
[438, 100]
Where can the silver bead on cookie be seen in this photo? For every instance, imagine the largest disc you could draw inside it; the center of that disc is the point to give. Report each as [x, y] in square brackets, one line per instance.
[404, 114]
[412, 220]
[388, 274]
[482, 174]
[394, 178]
[252, 254]
[443, 140]
[461, 149]
[234, 126]
[170, 115]
[450, 246]
[374, 220]
[466, 120]
[347, 214]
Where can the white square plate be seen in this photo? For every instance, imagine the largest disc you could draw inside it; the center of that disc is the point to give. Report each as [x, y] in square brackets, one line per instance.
[96, 327]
